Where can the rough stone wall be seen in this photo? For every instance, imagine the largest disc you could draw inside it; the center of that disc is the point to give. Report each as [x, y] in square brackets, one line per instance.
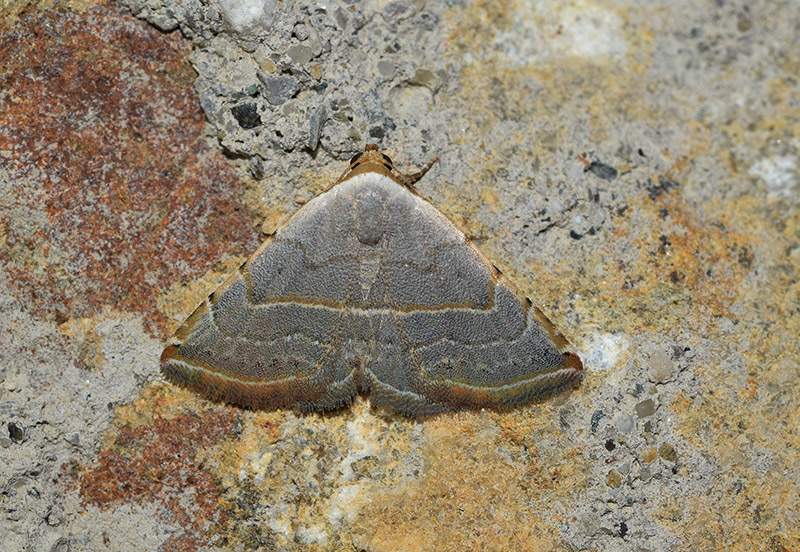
[632, 166]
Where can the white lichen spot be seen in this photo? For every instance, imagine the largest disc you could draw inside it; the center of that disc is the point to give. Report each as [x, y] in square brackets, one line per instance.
[363, 438]
[345, 503]
[779, 173]
[590, 33]
[247, 16]
[277, 519]
[605, 351]
[313, 535]
[256, 466]
[543, 31]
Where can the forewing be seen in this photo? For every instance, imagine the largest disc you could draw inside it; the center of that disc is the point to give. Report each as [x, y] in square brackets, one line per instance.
[460, 335]
[274, 333]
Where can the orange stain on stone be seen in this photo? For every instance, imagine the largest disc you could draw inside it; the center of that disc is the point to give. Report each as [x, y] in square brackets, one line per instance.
[110, 167]
[668, 253]
[160, 460]
[684, 259]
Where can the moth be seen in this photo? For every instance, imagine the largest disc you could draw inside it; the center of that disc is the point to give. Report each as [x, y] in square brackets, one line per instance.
[370, 289]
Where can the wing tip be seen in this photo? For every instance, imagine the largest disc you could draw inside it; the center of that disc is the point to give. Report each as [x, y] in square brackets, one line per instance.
[170, 352]
[573, 362]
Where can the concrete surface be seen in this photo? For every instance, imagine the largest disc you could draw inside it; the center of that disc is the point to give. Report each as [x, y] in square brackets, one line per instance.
[632, 166]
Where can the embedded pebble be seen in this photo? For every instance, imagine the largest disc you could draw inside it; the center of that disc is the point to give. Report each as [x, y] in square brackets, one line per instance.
[278, 89]
[316, 122]
[386, 68]
[246, 115]
[660, 366]
[16, 432]
[397, 11]
[667, 452]
[590, 523]
[613, 479]
[645, 408]
[601, 170]
[300, 31]
[300, 54]
[597, 415]
[424, 77]
[626, 424]
[244, 17]
[649, 454]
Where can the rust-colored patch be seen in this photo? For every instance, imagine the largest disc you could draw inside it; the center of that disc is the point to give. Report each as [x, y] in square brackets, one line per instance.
[694, 263]
[162, 463]
[742, 417]
[682, 258]
[116, 195]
